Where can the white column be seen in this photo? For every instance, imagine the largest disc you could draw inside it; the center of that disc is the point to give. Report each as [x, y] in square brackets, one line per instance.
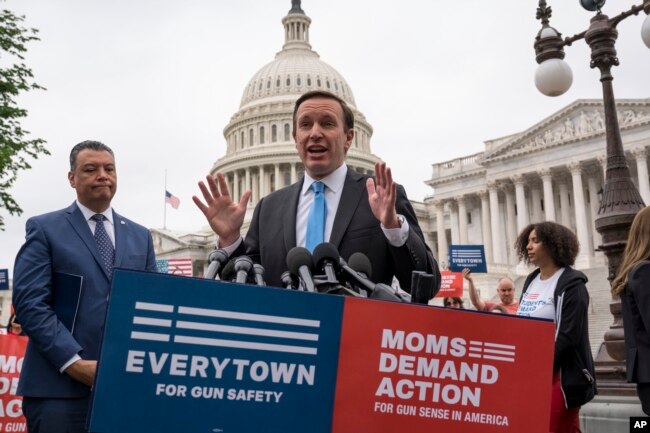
[462, 219]
[549, 200]
[294, 176]
[511, 224]
[443, 250]
[262, 181]
[247, 183]
[536, 198]
[235, 187]
[485, 225]
[592, 184]
[579, 206]
[496, 223]
[520, 196]
[453, 214]
[564, 203]
[255, 197]
[640, 154]
[602, 160]
[278, 182]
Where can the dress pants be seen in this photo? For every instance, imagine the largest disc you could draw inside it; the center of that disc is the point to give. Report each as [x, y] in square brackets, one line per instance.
[56, 415]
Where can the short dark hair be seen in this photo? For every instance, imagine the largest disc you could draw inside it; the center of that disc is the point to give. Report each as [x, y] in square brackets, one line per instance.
[560, 242]
[88, 144]
[348, 115]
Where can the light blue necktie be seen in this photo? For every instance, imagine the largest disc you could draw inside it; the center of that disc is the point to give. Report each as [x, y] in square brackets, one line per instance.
[316, 218]
[104, 244]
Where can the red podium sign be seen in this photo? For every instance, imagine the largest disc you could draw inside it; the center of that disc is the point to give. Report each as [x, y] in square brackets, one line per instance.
[406, 368]
[12, 351]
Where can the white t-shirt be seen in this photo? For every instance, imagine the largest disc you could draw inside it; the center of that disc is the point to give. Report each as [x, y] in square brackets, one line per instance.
[538, 299]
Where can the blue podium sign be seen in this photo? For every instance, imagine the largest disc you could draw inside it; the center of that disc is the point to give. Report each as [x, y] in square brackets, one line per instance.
[188, 355]
[467, 256]
[4, 279]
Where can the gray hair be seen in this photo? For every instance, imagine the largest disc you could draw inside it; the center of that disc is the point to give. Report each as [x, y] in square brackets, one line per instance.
[88, 144]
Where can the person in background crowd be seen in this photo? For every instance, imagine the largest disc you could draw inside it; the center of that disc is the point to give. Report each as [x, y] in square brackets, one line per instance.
[505, 290]
[499, 309]
[632, 284]
[14, 327]
[453, 303]
[555, 291]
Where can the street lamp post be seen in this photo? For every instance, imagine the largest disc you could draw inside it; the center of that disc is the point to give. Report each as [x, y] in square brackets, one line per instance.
[620, 198]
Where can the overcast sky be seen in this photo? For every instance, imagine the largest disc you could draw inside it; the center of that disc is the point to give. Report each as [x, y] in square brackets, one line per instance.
[157, 80]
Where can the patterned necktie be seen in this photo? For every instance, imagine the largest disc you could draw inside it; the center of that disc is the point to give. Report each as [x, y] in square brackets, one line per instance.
[104, 244]
[316, 218]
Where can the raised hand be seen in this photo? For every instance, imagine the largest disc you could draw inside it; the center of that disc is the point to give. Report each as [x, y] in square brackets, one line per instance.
[382, 193]
[224, 216]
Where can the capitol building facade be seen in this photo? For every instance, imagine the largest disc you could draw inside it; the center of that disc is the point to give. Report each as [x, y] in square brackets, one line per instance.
[552, 171]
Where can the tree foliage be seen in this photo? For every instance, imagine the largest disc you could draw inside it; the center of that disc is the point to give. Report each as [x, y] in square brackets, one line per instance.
[16, 148]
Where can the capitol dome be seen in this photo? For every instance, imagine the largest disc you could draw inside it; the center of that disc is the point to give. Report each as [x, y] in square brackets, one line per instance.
[261, 154]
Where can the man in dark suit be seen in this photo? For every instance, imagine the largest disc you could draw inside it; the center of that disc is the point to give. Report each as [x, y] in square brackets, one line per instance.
[62, 282]
[372, 216]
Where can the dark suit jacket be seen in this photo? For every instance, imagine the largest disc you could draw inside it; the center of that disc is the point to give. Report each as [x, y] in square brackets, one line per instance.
[61, 243]
[635, 301]
[272, 234]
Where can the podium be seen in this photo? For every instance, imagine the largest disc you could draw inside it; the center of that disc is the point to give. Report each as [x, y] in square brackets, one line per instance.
[190, 355]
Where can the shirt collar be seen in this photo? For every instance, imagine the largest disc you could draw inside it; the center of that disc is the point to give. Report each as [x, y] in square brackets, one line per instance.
[333, 181]
[87, 213]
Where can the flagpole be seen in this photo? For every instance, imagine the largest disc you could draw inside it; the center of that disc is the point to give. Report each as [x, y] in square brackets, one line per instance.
[165, 204]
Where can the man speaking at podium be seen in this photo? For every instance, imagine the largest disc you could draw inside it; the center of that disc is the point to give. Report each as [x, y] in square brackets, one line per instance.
[331, 203]
[62, 281]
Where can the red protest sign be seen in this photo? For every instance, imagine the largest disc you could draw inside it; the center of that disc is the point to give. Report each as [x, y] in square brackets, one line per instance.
[424, 369]
[451, 285]
[12, 351]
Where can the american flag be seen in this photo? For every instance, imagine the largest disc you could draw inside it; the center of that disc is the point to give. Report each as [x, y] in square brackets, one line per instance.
[178, 266]
[172, 199]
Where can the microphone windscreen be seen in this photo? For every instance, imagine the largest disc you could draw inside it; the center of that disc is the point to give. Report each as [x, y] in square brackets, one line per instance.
[228, 271]
[360, 263]
[325, 251]
[219, 255]
[297, 257]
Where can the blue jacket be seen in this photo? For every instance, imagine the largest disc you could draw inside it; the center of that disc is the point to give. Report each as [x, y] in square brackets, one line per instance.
[59, 244]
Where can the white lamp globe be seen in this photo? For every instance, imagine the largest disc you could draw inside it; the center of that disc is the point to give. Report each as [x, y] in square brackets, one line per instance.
[553, 77]
[645, 31]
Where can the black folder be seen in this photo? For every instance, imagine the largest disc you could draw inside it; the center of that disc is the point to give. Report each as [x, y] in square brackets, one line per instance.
[66, 295]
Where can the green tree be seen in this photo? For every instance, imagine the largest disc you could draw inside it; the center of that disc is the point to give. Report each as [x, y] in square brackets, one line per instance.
[16, 149]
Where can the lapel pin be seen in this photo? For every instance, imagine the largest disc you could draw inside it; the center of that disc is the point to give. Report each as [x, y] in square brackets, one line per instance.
[122, 222]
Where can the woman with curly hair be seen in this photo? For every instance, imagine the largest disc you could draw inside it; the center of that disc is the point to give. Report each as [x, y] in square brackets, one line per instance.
[557, 292]
[632, 284]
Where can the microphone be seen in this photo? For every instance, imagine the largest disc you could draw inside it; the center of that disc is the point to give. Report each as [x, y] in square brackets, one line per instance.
[216, 259]
[326, 257]
[355, 277]
[422, 292]
[258, 273]
[243, 267]
[227, 274]
[287, 280]
[300, 263]
[361, 263]
[377, 291]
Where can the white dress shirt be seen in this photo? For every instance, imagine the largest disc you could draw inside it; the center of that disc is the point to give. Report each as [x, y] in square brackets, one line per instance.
[110, 229]
[334, 188]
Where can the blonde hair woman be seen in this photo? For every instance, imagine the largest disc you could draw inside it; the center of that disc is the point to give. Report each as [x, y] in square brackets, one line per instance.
[632, 284]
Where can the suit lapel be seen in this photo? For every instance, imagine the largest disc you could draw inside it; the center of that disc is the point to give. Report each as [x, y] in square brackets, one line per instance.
[119, 227]
[289, 221]
[80, 226]
[353, 189]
